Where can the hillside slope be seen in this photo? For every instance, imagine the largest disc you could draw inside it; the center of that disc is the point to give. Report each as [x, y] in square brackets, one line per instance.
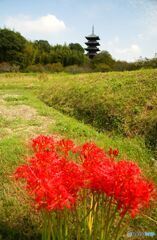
[121, 102]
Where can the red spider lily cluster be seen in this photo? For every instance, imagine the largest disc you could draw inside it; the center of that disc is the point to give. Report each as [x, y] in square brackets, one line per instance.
[51, 179]
[54, 179]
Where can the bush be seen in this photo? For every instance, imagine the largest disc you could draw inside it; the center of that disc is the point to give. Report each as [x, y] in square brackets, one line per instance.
[7, 67]
[151, 134]
[102, 67]
[35, 68]
[74, 69]
[54, 67]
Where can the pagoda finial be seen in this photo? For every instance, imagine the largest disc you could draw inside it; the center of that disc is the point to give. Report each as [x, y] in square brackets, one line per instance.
[93, 29]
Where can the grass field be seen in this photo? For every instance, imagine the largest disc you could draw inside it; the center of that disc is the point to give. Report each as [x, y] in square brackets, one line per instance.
[123, 103]
[23, 115]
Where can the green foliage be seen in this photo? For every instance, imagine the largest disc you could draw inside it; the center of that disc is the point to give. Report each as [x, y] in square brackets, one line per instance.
[102, 67]
[121, 66]
[42, 45]
[32, 56]
[24, 55]
[29, 54]
[124, 103]
[76, 47]
[54, 67]
[140, 64]
[103, 61]
[66, 56]
[12, 46]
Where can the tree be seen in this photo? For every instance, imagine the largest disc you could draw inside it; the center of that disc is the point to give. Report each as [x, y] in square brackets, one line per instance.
[76, 47]
[12, 46]
[29, 54]
[121, 66]
[66, 56]
[43, 45]
[103, 57]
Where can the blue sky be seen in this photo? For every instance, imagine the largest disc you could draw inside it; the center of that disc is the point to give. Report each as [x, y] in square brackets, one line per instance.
[127, 28]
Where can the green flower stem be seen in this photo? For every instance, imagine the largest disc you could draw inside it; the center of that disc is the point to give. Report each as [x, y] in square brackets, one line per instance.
[117, 229]
[86, 215]
[66, 220]
[78, 222]
[111, 220]
[96, 215]
[101, 212]
[106, 216]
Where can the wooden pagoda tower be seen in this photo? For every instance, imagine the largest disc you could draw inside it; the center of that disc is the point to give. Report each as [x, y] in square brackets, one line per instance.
[92, 44]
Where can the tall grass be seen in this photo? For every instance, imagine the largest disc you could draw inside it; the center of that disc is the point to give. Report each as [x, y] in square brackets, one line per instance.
[123, 103]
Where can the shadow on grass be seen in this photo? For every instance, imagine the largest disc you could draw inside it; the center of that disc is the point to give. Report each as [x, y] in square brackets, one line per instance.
[21, 231]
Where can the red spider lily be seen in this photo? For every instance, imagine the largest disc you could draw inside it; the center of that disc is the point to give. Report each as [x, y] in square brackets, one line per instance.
[131, 191]
[113, 152]
[42, 143]
[53, 187]
[98, 168]
[65, 146]
[52, 181]
[90, 153]
[120, 180]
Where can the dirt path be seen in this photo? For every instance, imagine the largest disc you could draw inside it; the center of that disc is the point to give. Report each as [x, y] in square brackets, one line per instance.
[21, 119]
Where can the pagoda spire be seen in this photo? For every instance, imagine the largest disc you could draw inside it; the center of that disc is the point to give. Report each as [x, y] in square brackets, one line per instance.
[93, 29]
[92, 44]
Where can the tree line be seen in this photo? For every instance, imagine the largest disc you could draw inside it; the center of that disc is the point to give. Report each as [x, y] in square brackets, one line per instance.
[19, 54]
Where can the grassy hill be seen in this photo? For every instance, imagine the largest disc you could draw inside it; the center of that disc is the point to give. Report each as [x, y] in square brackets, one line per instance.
[118, 102]
[23, 115]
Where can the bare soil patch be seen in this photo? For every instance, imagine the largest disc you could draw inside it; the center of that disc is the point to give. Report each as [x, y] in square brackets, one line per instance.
[30, 123]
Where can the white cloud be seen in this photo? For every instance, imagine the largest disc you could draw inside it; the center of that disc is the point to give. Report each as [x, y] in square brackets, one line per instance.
[130, 54]
[43, 25]
[133, 49]
[115, 47]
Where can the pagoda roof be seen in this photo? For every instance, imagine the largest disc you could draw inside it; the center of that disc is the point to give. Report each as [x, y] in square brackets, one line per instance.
[92, 43]
[92, 36]
[92, 48]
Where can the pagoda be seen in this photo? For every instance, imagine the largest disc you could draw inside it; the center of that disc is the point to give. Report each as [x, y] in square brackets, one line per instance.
[92, 44]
